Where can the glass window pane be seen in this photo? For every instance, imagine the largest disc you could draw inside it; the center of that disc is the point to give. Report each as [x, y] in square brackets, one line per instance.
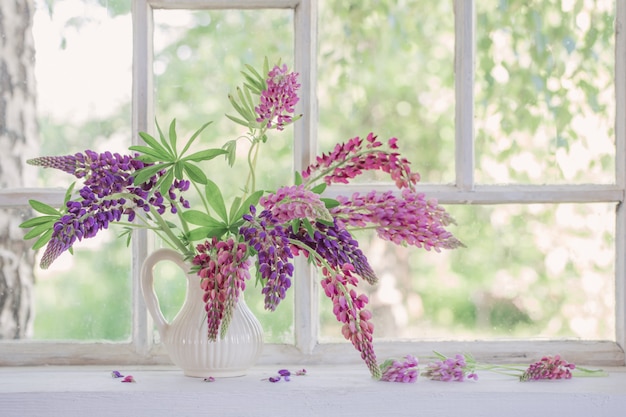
[83, 71]
[387, 67]
[537, 271]
[199, 56]
[85, 296]
[545, 102]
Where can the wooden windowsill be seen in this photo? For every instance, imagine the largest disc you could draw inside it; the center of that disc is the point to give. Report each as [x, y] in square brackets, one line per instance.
[325, 391]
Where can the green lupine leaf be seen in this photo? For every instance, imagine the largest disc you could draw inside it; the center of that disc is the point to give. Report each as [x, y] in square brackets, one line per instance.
[231, 151]
[178, 170]
[330, 202]
[152, 142]
[149, 151]
[36, 221]
[149, 159]
[216, 200]
[195, 174]
[234, 208]
[164, 142]
[37, 230]
[295, 225]
[200, 218]
[198, 234]
[309, 228]
[255, 73]
[166, 182]
[319, 189]
[146, 173]
[43, 208]
[205, 155]
[252, 200]
[172, 134]
[244, 104]
[253, 87]
[325, 222]
[43, 240]
[217, 232]
[298, 180]
[193, 137]
[238, 120]
[241, 110]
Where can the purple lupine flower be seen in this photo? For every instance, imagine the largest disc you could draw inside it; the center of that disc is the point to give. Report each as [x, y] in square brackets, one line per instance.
[400, 371]
[105, 175]
[350, 159]
[337, 246]
[450, 369]
[409, 219]
[549, 367]
[278, 100]
[271, 242]
[223, 267]
[295, 202]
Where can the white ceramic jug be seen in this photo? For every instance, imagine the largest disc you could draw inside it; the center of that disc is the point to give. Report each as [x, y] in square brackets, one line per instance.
[185, 338]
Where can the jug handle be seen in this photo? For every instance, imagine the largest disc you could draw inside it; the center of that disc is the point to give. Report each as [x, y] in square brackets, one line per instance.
[147, 283]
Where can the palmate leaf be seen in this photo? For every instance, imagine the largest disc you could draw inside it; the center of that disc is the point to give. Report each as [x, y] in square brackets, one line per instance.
[36, 221]
[166, 182]
[330, 202]
[172, 135]
[238, 120]
[201, 218]
[195, 174]
[146, 173]
[205, 155]
[216, 200]
[193, 137]
[43, 208]
[44, 239]
[164, 141]
[154, 144]
[252, 200]
[148, 151]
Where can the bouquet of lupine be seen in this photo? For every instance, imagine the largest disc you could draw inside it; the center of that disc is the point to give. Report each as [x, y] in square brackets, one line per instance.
[148, 187]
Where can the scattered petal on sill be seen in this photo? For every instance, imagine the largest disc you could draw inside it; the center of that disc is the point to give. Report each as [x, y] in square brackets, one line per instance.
[128, 378]
[116, 374]
[301, 372]
[209, 379]
[274, 378]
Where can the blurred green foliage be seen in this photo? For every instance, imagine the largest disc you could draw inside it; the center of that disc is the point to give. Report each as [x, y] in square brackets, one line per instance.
[544, 111]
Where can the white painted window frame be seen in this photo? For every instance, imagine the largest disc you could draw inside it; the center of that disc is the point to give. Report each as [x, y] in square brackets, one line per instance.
[306, 349]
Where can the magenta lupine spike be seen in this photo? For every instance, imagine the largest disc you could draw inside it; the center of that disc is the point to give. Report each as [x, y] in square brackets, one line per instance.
[450, 369]
[295, 202]
[400, 371]
[277, 102]
[349, 309]
[223, 269]
[409, 219]
[349, 160]
[549, 367]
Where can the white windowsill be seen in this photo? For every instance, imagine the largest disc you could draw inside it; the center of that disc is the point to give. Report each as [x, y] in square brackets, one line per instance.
[325, 391]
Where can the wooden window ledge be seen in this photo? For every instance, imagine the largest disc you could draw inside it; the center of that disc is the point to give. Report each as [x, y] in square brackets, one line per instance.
[324, 391]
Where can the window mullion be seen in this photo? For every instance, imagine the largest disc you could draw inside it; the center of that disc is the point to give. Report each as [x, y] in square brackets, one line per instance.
[464, 53]
[620, 173]
[142, 113]
[306, 291]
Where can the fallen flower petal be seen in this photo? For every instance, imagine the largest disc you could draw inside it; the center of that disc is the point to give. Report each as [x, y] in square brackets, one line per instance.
[209, 379]
[116, 374]
[128, 378]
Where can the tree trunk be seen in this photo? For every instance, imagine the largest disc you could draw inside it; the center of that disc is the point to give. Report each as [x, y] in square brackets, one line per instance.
[18, 140]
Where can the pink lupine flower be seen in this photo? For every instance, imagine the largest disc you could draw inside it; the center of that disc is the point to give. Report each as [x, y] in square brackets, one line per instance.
[400, 371]
[349, 309]
[450, 369]
[409, 219]
[295, 202]
[279, 99]
[223, 269]
[351, 159]
[549, 367]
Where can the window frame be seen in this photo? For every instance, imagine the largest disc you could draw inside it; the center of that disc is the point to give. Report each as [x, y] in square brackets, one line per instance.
[306, 348]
